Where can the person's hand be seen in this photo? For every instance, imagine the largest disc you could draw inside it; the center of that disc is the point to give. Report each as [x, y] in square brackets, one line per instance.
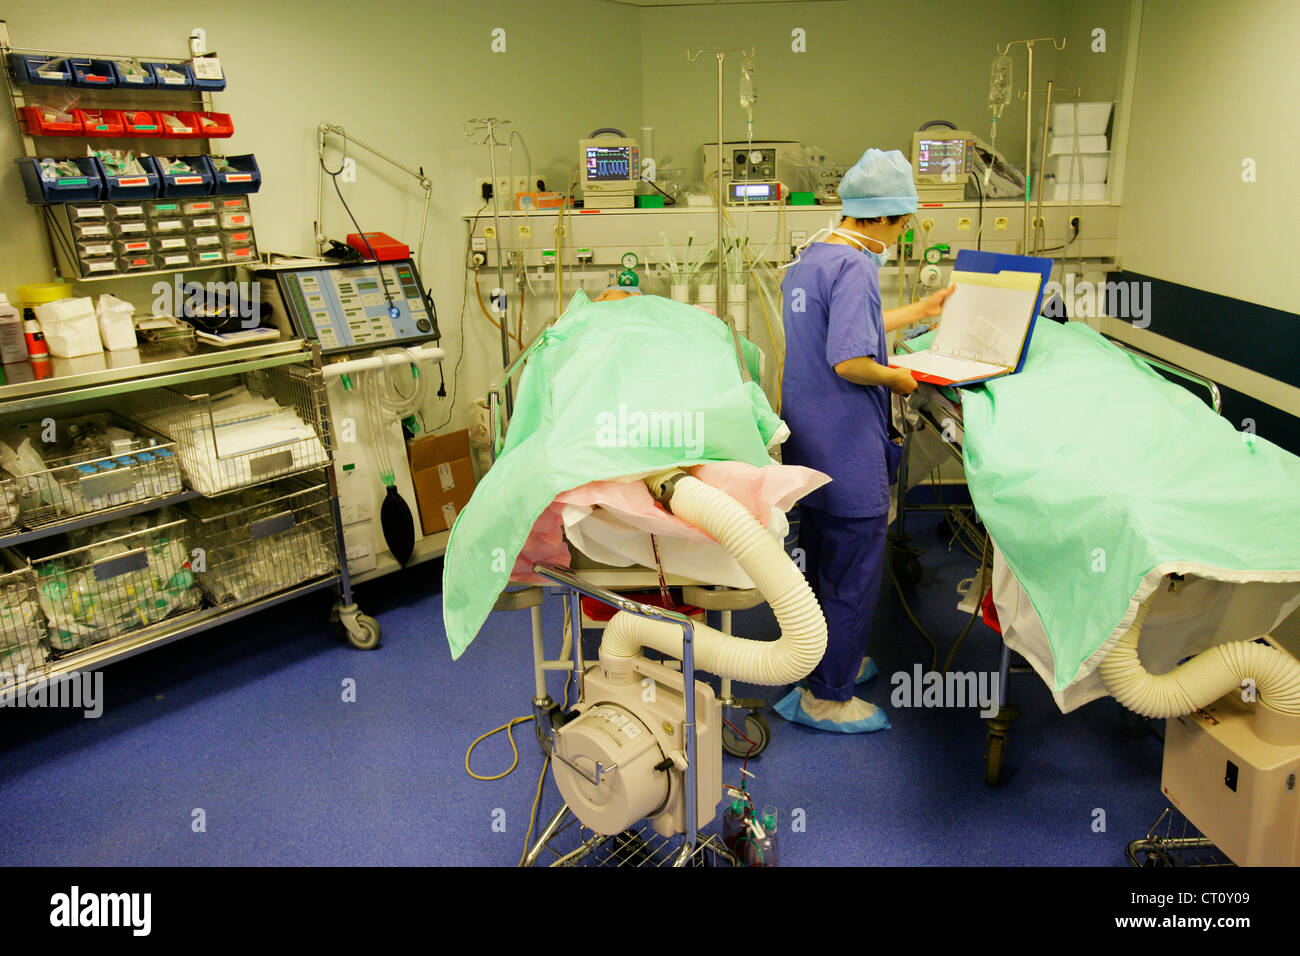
[932, 304]
[902, 382]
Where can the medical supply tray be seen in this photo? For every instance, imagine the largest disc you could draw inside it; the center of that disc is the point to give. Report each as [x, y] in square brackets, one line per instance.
[97, 590]
[22, 625]
[98, 480]
[199, 426]
[263, 540]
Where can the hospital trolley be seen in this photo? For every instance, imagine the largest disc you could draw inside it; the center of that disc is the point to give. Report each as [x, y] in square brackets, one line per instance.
[172, 531]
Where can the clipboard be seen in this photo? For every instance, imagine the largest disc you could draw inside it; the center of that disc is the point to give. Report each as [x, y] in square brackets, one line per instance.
[950, 366]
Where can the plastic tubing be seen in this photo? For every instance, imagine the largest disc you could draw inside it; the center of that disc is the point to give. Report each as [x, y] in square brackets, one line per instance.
[1202, 680]
[771, 663]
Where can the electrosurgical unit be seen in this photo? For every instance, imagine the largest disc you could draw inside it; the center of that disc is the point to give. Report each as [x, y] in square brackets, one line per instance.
[351, 307]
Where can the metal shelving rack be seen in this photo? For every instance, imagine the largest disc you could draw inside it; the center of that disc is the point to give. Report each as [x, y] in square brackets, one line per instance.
[76, 390]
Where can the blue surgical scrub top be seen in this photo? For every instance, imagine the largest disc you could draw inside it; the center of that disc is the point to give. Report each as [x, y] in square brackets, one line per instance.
[832, 313]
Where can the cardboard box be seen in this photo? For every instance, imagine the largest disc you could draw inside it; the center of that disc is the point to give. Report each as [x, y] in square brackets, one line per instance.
[443, 476]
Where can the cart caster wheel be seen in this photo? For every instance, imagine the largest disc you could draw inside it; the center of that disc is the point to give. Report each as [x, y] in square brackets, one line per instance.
[755, 728]
[364, 633]
[995, 751]
[907, 568]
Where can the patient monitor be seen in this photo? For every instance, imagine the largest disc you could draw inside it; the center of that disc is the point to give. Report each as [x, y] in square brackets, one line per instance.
[610, 168]
[941, 161]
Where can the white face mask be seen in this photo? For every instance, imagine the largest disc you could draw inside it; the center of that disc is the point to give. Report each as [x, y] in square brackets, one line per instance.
[881, 258]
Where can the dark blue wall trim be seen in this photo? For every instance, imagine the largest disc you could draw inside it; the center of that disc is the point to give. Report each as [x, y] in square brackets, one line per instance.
[1256, 337]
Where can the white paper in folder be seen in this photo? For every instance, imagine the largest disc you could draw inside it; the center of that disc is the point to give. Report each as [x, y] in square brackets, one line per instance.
[984, 329]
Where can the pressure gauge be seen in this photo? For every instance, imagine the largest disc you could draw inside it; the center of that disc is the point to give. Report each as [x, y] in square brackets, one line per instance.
[756, 156]
[934, 255]
[630, 260]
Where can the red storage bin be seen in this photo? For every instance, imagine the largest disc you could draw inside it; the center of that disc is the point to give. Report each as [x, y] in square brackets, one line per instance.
[210, 125]
[167, 128]
[141, 123]
[101, 122]
[37, 125]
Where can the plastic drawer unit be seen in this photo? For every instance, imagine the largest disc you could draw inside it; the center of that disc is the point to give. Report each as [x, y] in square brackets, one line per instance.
[87, 186]
[244, 177]
[198, 182]
[93, 74]
[47, 121]
[36, 70]
[170, 76]
[101, 122]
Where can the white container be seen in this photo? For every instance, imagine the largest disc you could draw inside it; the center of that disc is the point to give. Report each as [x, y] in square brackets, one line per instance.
[70, 327]
[1093, 118]
[13, 346]
[680, 292]
[116, 323]
[706, 294]
[1088, 192]
[1076, 144]
[1079, 167]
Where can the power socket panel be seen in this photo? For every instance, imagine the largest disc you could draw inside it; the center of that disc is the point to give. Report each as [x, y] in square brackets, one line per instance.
[502, 188]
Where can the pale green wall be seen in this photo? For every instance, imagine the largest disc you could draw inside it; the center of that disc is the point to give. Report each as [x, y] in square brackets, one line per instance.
[1216, 84]
[873, 71]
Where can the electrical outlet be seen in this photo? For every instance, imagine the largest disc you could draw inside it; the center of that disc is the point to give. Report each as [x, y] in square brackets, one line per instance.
[1000, 223]
[525, 231]
[963, 224]
[927, 225]
[490, 232]
[503, 188]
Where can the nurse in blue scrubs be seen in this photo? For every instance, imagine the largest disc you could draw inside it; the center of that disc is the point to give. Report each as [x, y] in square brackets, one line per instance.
[835, 398]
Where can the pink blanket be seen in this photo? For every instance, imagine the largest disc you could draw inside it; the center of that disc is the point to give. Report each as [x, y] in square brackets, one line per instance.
[760, 490]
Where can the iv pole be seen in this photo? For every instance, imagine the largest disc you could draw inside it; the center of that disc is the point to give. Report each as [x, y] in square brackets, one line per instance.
[488, 128]
[721, 280]
[1028, 96]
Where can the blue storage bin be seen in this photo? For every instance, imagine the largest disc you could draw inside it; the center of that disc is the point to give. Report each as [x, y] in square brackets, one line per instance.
[246, 178]
[27, 69]
[184, 184]
[210, 85]
[132, 187]
[93, 74]
[166, 83]
[85, 188]
[133, 81]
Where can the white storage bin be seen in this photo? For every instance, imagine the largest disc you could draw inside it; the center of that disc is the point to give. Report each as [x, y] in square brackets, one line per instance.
[1079, 167]
[1076, 144]
[1093, 118]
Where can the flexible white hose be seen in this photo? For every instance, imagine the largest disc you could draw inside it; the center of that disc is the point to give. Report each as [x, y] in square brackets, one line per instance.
[803, 629]
[1202, 680]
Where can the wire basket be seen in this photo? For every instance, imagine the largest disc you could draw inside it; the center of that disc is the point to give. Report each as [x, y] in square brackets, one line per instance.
[22, 625]
[93, 463]
[127, 579]
[263, 540]
[253, 428]
[572, 844]
[1174, 841]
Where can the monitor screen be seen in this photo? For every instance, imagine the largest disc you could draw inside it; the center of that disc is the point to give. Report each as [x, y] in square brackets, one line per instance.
[609, 164]
[936, 156]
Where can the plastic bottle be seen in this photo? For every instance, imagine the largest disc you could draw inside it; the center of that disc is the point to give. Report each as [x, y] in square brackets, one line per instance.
[760, 846]
[36, 347]
[733, 823]
[13, 345]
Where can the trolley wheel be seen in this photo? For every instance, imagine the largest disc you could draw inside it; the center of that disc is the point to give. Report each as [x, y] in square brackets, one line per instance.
[995, 751]
[364, 633]
[906, 566]
[755, 728]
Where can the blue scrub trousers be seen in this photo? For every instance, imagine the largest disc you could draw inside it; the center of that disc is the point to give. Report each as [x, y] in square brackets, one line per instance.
[844, 561]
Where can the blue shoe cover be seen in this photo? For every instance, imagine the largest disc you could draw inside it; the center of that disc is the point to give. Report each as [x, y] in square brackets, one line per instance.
[867, 671]
[792, 708]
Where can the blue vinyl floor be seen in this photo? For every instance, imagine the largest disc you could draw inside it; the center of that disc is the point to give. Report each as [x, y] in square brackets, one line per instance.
[248, 725]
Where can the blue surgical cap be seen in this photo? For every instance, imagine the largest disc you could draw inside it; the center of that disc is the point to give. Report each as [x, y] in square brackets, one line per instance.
[879, 184]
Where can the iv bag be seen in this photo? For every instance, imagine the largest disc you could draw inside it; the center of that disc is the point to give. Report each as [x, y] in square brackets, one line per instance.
[1000, 85]
[748, 93]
